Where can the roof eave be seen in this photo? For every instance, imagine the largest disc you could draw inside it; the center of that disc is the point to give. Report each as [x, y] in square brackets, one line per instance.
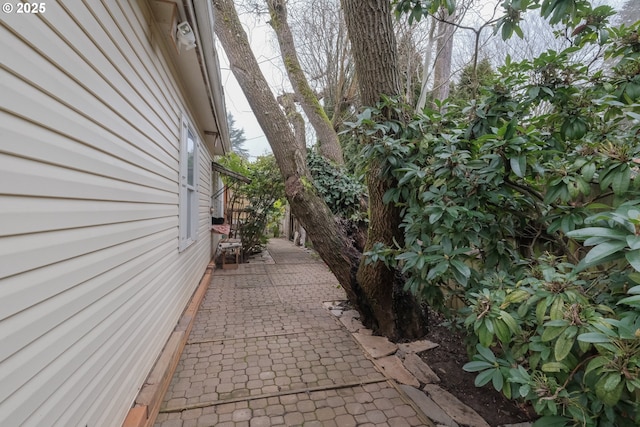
[202, 11]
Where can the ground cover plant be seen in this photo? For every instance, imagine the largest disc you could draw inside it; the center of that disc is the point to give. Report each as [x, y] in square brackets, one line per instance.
[521, 207]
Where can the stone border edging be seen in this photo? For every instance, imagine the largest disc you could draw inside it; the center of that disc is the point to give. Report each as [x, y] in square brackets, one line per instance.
[391, 360]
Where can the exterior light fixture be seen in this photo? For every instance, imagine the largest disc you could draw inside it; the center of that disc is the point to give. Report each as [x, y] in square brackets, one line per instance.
[185, 35]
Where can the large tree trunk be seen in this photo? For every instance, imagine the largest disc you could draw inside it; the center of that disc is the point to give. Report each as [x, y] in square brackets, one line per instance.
[374, 48]
[373, 45]
[329, 146]
[328, 238]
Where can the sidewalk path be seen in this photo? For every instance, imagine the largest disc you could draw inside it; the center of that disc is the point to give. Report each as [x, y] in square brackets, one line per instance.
[265, 352]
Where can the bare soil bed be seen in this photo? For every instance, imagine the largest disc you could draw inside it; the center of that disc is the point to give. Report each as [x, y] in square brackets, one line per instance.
[447, 360]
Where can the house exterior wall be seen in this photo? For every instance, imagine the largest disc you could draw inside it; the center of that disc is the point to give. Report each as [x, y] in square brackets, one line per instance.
[91, 279]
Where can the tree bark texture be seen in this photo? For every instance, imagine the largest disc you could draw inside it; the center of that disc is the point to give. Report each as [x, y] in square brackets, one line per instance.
[295, 119]
[373, 45]
[426, 68]
[329, 146]
[374, 48]
[444, 49]
[336, 250]
[287, 101]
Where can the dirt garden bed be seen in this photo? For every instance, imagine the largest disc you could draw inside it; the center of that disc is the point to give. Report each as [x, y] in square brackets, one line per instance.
[447, 360]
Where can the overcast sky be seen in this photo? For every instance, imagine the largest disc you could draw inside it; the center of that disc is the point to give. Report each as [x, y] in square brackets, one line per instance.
[260, 36]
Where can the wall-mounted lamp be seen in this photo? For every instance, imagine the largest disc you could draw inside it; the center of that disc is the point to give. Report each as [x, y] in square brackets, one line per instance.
[185, 36]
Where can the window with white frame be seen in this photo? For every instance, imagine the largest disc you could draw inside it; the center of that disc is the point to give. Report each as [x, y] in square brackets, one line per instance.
[188, 186]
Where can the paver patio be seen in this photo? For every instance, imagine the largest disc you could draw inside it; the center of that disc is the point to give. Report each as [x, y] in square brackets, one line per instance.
[265, 352]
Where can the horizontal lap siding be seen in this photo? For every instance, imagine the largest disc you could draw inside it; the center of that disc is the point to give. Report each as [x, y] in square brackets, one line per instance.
[91, 280]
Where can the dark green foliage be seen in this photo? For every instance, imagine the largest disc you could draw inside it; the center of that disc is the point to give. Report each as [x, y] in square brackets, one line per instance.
[265, 190]
[523, 205]
[237, 138]
[471, 81]
[351, 152]
[571, 13]
[342, 192]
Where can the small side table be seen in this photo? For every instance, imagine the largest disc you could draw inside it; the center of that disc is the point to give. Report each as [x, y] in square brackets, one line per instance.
[230, 248]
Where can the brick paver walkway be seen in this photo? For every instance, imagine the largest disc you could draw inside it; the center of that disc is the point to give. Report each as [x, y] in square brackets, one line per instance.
[265, 352]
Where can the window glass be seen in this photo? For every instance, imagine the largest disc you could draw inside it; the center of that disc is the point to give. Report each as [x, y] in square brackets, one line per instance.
[188, 213]
[191, 144]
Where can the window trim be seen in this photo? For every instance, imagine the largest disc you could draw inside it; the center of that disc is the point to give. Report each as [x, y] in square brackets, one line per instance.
[189, 191]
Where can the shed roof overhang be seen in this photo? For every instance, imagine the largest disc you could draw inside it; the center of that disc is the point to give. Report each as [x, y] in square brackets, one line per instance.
[235, 175]
[197, 69]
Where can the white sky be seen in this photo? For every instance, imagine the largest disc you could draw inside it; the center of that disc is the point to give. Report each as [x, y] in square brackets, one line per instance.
[260, 35]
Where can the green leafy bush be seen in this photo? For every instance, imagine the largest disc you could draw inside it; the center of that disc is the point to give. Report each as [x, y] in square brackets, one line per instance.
[263, 196]
[522, 206]
[560, 340]
[343, 193]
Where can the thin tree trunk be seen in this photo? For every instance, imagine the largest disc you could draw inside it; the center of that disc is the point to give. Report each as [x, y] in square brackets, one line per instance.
[298, 125]
[329, 146]
[426, 69]
[295, 118]
[336, 250]
[444, 49]
[345, 91]
[374, 48]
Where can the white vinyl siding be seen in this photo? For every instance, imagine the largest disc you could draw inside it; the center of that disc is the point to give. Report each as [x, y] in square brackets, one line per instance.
[91, 279]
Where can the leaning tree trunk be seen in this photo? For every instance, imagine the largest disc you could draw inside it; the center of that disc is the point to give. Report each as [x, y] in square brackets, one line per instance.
[329, 146]
[297, 123]
[374, 48]
[332, 244]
